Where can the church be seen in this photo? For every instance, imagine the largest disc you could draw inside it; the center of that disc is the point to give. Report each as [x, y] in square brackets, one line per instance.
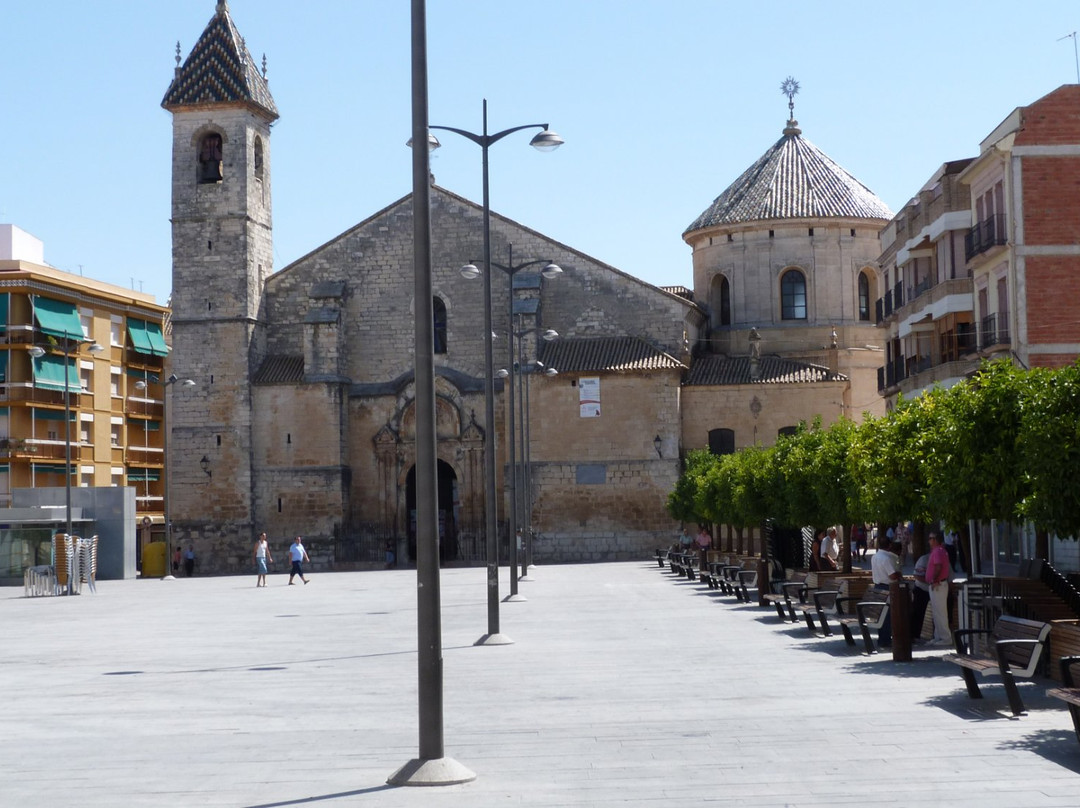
[305, 425]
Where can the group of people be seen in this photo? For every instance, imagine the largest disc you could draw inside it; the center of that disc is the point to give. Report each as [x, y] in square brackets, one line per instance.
[263, 557]
[932, 575]
[185, 558]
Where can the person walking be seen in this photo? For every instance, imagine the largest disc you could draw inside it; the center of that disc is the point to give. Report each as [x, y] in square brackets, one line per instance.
[938, 575]
[298, 555]
[189, 561]
[262, 557]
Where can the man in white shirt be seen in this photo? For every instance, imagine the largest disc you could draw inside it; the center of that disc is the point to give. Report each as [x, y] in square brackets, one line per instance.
[885, 568]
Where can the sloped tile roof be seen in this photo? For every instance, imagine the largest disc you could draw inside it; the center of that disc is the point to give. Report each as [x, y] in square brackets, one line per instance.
[220, 70]
[727, 370]
[794, 179]
[280, 370]
[594, 354]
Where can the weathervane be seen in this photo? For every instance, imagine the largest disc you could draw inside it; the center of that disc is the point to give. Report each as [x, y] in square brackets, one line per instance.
[790, 88]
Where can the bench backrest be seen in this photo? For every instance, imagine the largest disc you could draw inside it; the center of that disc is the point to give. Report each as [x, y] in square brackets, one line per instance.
[1015, 628]
[875, 615]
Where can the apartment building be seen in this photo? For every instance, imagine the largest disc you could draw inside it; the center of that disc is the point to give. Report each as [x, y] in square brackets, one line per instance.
[81, 370]
[984, 262]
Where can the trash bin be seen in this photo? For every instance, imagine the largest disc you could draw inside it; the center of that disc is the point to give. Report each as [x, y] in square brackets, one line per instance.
[153, 560]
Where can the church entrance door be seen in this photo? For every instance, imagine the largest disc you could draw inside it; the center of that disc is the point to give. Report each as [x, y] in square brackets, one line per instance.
[447, 487]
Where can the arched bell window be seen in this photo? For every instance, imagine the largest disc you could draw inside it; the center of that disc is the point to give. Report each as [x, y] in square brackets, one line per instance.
[439, 309]
[210, 158]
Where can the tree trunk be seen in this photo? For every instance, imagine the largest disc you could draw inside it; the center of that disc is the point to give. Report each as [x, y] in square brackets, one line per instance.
[1042, 544]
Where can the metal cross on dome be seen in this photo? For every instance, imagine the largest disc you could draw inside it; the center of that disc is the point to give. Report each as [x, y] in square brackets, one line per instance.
[790, 88]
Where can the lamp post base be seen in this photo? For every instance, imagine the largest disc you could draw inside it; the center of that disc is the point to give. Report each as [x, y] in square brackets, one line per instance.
[518, 598]
[439, 772]
[494, 639]
[169, 578]
[525, 577]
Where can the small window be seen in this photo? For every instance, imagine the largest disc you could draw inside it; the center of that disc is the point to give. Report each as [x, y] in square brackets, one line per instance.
[257, 159]
[116, 331]
[810, 232]
[116, 434]
[772, 233]
[439, 309]
[210, 158]
[86, 379]
[86, 321]
[725, 302]
[787, 431]
[114, 382]
[722, 441]
[793, 295]
[730, 238]
[864, 297]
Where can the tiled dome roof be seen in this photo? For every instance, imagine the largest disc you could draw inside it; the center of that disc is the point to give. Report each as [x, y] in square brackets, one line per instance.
[220, 70]
[793, 180]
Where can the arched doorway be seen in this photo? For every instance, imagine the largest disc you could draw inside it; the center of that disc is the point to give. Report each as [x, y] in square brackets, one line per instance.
[449, 506]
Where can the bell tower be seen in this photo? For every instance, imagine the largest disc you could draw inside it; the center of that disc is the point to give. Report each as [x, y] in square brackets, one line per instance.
[222, 253]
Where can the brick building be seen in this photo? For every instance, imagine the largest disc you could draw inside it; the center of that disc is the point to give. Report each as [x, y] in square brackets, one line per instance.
[303, 421]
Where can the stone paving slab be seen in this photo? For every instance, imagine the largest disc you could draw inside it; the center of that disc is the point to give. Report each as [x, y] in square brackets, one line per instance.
[624, 686]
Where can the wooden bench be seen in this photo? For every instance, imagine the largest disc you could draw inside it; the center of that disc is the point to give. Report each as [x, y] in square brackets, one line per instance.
[819, 605]
[1013, 649]
[1070, 693]
[870, 612]
[792, 590]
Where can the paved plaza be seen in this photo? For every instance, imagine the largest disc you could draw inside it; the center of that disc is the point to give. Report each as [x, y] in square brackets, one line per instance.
[624, 686]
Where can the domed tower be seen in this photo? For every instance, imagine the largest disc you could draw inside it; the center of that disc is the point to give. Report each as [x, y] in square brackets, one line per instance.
[222, 236]
[789, 250]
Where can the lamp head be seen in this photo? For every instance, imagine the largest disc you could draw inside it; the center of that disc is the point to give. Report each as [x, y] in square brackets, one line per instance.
[551, 372]
[546, 141]
[551, 271]
[502, 373]
[432, 142]
[140, 384]
[37, 352]
[550, 334]
[470, 271]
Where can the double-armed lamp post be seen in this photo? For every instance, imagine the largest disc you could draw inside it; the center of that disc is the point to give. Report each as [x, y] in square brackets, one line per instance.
[545, 140]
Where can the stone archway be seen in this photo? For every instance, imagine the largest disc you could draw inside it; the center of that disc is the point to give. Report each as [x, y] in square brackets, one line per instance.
[448, 512]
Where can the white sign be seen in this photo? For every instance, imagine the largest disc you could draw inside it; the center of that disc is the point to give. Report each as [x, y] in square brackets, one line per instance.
[589, 397]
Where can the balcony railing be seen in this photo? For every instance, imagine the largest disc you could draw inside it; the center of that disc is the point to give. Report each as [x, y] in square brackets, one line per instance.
[994, 331]
[990, 232]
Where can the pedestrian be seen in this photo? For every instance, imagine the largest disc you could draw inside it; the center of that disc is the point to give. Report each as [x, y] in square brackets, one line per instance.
[177, 557]
[938, 576]
[189, 561]
[950, 548]
[885, 568]
[298, 555]
[262, 557]
[704, 542]
[830, 550]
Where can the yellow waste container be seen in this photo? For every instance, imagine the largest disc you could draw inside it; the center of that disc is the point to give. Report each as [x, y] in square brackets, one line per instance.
[153, 560]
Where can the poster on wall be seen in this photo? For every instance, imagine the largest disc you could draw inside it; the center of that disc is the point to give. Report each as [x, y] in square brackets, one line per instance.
[589, 396]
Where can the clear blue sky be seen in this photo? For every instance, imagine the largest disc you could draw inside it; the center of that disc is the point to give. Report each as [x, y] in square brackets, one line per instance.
[662, 105]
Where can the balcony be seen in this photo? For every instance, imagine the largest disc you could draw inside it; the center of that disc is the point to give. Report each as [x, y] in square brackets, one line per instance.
[990, 232]
[958, 343]
[992, 334]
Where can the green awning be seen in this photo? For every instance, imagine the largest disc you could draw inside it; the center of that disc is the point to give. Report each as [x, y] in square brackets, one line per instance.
[157, 339]
[45, 468]
[58, 319]
[146, 338]
[3, 366]
[3, 311]
[42, 414]
[143, 475]
[49, 372]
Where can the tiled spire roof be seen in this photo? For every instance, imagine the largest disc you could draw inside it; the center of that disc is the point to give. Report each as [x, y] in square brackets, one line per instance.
[793, 180]
[220, 70]
[714, 370]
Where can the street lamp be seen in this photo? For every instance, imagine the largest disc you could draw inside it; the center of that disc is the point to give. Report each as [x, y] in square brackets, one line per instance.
[37, 352]
[141, 385]
[550, 270]
[546, 140]
[525, 371]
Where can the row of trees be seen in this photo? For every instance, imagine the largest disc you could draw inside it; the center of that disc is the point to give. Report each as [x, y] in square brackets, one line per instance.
[1004, 444]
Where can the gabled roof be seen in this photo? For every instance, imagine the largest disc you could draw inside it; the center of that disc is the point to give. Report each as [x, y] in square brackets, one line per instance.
[730, 370]
[794, 179]
[220, 70]
[595, 354]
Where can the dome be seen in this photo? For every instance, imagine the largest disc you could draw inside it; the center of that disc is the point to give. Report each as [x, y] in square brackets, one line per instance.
[794, 179]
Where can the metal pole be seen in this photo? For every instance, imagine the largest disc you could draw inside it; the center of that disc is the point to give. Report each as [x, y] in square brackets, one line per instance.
[527, 463]
[511, 432]
[520, 473]
[72, 572]
[491, 521]
[431, 767]
[165, 446]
